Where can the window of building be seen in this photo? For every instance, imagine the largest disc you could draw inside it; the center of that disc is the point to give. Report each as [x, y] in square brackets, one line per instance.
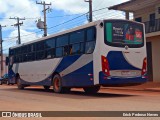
[139, 19]
[152, 19]
[158, 10]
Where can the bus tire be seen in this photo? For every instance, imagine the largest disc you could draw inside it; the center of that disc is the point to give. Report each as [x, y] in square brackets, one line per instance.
[46, 87]
[19, 85]
[57, 84]
[91, 90]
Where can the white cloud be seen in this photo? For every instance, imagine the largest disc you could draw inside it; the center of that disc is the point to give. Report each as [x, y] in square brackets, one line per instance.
[79, 6]
[25, 36]
[19, 8]
[29, 9]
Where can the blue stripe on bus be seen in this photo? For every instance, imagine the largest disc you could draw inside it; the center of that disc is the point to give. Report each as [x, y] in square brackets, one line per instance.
[118, 62]
[66, 62]
[79, 77]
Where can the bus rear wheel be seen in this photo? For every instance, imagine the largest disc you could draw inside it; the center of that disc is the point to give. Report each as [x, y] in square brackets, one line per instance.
[19, 85]
[91, 90]
[57, 85]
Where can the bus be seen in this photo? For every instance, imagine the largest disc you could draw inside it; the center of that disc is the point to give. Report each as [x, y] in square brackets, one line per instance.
[102, 53]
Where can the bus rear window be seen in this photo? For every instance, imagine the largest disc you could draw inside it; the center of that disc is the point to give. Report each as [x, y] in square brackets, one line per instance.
[121, 33]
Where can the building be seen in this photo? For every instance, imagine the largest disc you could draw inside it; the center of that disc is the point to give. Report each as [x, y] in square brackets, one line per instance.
[5, 68]
[148, 12]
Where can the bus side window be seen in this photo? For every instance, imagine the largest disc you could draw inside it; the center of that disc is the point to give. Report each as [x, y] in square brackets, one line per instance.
[59, 52]
[65, 50]
[70, 49]
[91, 34]
[89, 48]
[40, 55]
[76, 48]
[90, 44]
[50, 53]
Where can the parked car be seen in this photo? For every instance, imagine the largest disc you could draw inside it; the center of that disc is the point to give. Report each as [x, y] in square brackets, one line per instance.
[4, 79]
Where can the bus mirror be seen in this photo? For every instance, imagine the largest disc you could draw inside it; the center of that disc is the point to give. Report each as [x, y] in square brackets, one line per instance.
[101, 24]
[7, 61]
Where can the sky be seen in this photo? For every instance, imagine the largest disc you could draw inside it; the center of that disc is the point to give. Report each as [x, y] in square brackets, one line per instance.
[63, 15]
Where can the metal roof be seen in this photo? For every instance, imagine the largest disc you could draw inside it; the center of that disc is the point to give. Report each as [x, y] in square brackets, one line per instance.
[134, 5]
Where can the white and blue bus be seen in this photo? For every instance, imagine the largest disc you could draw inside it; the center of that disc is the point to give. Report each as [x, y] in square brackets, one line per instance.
[100, 53]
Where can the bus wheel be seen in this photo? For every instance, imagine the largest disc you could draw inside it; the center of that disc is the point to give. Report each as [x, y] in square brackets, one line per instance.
[91, 90]
[19, 85]
[46, 87]
[57, 85]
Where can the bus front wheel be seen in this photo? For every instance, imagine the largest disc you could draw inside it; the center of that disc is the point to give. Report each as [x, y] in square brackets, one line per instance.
[57, 85]
[19, 85]
[91, 90]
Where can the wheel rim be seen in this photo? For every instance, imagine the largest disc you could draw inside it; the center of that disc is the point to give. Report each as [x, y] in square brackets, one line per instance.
[56, 84]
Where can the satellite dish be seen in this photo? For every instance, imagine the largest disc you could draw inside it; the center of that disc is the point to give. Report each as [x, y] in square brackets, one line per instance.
[40, 24]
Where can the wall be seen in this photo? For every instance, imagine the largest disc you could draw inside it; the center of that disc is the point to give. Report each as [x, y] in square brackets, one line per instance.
[5, 68]
[144, 13]
[155, 57]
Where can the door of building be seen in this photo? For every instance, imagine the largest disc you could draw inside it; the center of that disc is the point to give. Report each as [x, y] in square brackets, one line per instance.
[139, 19]
[149, 61]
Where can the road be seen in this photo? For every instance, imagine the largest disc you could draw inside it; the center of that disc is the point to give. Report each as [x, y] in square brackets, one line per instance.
[37, 99]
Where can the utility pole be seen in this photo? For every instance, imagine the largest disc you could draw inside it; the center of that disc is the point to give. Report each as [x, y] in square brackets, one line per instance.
[90, 10]
[44, 12]
[18, 24]
[1, 49]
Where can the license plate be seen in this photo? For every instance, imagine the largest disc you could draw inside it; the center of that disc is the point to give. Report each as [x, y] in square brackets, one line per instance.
[125, 73]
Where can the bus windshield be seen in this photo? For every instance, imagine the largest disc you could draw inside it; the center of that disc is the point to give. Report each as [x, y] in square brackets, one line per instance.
[121, 33]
